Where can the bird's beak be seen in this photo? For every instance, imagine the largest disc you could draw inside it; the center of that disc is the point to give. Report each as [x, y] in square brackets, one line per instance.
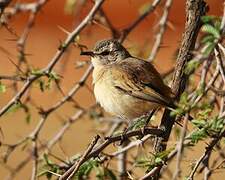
[87, 53]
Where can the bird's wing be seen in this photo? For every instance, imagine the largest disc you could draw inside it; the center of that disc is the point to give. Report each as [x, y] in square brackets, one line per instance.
[140, 79]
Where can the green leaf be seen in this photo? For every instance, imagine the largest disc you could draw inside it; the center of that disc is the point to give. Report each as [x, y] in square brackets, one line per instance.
[28, 118]
[208, 38]
[199, 123]
[208, 28]
[48, 85]
[51, 77]
[144, 162]
[54, 76]
[184, 98]
[85, 169]
[14, 107]
[137, 123]
[158, 160]
[177, 111]
[99, 173]
[216, 125]
[207, 19]
[163, 155]
[2, 88]
[204, 114]
[209, 49]
[37, 72]
[152, 161]
[49, 168]
[200, 90]
[191, 66]
[217, 24]
[198, 135]
[45, 157]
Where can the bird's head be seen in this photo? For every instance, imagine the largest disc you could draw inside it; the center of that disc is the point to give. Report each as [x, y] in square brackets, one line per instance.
[107, 52]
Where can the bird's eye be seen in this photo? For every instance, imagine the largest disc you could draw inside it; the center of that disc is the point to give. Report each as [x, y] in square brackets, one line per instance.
[105, 53]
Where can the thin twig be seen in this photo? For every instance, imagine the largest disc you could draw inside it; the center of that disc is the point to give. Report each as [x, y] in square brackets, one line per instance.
[151, 173]
[34, 159]
[127, 30]
[208, 150]
[162, 27]
[180, 147]
[70, 173]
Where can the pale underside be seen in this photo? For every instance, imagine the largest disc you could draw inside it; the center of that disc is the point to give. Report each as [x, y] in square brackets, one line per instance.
[120, 104]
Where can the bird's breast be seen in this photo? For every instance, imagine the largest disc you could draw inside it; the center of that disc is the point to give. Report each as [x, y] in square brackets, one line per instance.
[105, 92]
[114, 100]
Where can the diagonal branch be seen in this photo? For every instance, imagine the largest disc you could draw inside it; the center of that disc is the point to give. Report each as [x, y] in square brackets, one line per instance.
[162, 28]
[69, 174]
[194, 11]
[128, 30]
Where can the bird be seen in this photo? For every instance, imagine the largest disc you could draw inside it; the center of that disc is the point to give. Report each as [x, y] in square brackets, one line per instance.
[126, 86]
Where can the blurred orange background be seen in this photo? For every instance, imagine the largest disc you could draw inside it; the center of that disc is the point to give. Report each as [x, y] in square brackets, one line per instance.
[41, 46]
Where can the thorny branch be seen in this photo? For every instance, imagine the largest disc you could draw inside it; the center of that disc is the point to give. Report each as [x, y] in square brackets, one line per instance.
[127, 31]
[162, 27]
[212, 76]
[70, 38]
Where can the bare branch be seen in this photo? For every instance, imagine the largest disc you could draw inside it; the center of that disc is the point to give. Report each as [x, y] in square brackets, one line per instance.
[127, 30]
[162, 27]
[70, 38]
[194, 11]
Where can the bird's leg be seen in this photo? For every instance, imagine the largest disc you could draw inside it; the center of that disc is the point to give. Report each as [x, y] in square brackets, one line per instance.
[147, 121]
[123, 136]
[126, 129]
[131, 125]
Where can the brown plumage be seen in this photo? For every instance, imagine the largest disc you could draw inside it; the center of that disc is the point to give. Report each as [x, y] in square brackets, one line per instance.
[124, 85]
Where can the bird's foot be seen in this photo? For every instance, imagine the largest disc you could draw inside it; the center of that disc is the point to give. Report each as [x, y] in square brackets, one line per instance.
[143, 130]
[123, 137]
